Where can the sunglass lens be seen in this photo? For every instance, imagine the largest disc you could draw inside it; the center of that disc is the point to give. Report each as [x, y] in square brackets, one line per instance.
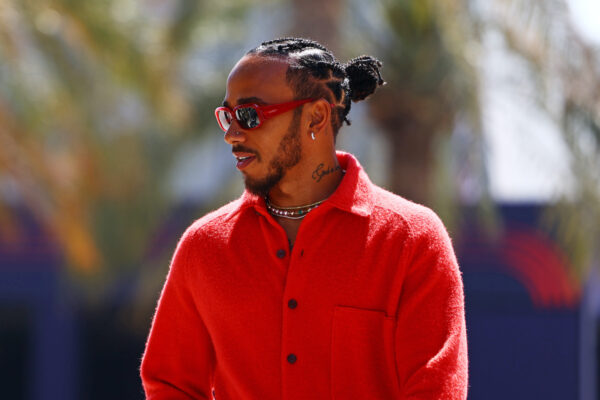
[224, 119]
[247, 117]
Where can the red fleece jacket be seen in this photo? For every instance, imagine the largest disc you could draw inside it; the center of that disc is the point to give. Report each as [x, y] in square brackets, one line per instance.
[367, 305]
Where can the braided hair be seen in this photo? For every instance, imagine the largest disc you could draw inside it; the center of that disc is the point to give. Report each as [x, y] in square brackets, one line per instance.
[315, 73]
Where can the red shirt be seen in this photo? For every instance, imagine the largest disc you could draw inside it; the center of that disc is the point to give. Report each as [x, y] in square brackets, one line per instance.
[367, 305]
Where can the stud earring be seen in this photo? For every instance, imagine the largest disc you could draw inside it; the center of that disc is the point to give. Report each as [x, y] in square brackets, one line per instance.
[312, 135]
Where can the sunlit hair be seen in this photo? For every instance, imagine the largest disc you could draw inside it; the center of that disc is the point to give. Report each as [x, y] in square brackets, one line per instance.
[314, 72]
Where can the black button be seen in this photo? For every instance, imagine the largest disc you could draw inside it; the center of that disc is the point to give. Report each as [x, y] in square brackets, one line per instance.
[280, 253]
[292, 303]
[291, 358]
[301, 252]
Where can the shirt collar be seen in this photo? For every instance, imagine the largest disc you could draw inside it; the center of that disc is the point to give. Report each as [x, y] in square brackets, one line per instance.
[354, 193]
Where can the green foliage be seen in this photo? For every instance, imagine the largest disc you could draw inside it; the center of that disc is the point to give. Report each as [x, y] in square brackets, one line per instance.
[94, 106]
[97, 98]
[432, 52]
[432, 83]
[565, 71]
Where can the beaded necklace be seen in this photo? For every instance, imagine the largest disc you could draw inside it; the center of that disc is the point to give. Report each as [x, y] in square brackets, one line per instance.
[297, 212]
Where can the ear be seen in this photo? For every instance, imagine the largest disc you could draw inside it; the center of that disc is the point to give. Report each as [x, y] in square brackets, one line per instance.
[320, 117]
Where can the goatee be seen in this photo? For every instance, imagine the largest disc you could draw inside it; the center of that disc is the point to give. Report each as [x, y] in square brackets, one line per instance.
[288, 155]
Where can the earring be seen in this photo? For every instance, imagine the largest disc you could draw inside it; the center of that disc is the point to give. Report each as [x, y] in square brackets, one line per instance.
[312, 135]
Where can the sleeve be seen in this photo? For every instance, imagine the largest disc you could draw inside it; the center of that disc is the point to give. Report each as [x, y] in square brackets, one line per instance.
[179, 356]
[431, 342]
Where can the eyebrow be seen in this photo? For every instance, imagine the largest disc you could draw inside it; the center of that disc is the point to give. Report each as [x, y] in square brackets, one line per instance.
[245, 100]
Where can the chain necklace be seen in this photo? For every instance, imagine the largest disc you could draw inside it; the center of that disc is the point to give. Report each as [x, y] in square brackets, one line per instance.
[298, 212]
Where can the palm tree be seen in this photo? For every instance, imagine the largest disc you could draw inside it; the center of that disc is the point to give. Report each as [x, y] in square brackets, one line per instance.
[322, 26]
[432, 51]
[93, 107]
[429, 53]
[565, 73]
[92, 112]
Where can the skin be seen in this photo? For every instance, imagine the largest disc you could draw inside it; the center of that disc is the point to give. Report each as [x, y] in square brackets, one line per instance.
[263, 79]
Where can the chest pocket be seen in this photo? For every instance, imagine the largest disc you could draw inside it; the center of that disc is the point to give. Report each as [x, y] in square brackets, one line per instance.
[362, 355]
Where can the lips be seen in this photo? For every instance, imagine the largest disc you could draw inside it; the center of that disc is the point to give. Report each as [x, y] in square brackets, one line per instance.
[243, 159]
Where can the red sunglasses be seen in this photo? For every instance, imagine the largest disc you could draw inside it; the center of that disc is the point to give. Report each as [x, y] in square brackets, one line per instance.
[251, 116]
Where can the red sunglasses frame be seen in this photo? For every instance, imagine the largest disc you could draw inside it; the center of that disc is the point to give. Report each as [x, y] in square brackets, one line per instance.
[263, 112]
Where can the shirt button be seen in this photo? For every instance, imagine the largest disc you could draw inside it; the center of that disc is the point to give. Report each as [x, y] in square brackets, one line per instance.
[291, 358]
[292, 303]
[280, 253]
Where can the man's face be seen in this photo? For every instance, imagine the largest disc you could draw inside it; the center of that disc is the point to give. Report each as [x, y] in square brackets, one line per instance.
[264, 154]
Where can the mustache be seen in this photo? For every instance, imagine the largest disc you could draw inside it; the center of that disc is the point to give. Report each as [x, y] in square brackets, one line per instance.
[243, 149]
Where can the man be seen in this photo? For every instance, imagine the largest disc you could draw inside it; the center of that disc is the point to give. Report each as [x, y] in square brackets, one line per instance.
[315, 284]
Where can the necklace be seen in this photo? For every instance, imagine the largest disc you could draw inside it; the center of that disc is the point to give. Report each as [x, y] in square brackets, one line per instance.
[297, 212]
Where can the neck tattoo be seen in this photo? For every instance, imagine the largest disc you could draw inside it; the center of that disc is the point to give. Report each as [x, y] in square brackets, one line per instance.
[320, 171]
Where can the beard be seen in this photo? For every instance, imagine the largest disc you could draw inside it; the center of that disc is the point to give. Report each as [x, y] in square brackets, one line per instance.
[288, 155]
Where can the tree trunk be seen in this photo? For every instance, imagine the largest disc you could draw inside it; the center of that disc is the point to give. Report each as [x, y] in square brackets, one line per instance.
[411, 123]
[318, 20]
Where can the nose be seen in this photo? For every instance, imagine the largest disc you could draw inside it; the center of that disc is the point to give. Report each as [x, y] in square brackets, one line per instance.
[234, 134]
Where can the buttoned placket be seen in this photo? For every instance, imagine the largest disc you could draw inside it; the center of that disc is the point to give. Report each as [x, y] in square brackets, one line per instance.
[290, 259]
[294, 327]
[292, 324]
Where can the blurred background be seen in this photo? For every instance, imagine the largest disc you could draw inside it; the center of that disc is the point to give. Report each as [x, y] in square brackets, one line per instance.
[109, 150]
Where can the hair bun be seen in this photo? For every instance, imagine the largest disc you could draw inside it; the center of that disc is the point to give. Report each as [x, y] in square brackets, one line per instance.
[364, 76]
